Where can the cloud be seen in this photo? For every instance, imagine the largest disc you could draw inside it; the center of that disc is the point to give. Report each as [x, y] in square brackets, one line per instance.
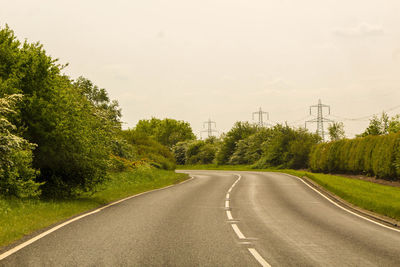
[359, 31]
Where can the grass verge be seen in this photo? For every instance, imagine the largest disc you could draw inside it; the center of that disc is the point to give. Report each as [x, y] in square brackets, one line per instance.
[22, 217]
[381, 199]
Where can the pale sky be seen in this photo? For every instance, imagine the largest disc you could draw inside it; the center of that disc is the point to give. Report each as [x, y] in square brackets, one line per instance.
[223, 59]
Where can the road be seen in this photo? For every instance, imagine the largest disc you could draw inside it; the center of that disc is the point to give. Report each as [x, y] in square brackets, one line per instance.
[265, 218]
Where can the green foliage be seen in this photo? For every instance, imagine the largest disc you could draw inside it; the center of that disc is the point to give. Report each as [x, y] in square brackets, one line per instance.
[239, 131]
[179, 151]
[287, 148]
[394, 124]
[196, 151]
[250, 149]
[21, 217]
[382, 125]
[17, 177]
[200, 152]
[167, 132]
[72, 123]
[371, 155]
[336, 131]
[146, 148]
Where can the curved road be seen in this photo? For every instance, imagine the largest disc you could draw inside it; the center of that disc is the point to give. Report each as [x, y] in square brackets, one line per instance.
[217, 219]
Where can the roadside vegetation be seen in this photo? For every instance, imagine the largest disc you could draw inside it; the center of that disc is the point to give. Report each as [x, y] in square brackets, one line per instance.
[62, 148]
[20, 217]
[381, 199]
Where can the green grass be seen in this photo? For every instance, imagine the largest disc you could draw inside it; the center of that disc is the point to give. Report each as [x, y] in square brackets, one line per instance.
[22, 217]
[374, 197]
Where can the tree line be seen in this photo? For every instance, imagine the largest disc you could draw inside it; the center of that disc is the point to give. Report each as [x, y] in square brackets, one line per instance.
[60, 137]
[375, 152]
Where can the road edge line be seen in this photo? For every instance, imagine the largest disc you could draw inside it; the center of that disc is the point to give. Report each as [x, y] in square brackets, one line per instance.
[55, 228]
[341, 205]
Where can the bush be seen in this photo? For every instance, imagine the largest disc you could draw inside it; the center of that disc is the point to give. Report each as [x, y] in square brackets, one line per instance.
[371, 155]
[287, 148]
[17, 177]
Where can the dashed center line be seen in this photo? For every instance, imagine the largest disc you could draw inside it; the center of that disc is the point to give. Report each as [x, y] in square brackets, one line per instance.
[229, 214]
[237, 231]
[258, 257]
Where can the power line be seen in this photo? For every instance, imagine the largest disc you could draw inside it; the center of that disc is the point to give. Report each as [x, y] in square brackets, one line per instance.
[320, 119]
[365, 118]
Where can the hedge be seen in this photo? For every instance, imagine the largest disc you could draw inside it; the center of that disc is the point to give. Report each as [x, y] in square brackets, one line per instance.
[371, 155]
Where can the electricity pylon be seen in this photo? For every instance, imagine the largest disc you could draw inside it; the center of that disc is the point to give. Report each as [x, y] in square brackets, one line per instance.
[260, 114]
[209, 130]
[320, 118]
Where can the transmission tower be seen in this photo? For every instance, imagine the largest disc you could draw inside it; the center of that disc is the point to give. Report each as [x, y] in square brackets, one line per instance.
[320, 118]
[260, 114]
[209, 130]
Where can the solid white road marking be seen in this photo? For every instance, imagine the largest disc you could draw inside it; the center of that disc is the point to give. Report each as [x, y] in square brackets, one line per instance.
[343, 208]
[227, 204]
[227, 196]
[258, 257]
[229, 214]
[36, 238]
[237, 231]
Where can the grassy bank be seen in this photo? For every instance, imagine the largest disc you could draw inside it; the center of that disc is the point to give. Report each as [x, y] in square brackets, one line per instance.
[22, 217]
[374, 197]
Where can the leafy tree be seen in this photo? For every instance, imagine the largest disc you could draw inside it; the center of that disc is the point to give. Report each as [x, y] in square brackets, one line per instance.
[201, 152]
[249, 150]
[100, 99]
[167, 131]
[382, 125]
[394, 124]
[179, 151]
[287, 148]
[17, 177]
[239, 131]
[70, 126]
[377, 126]
[336, 131]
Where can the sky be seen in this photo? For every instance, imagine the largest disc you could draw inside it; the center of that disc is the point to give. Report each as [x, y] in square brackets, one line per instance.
[224, 59]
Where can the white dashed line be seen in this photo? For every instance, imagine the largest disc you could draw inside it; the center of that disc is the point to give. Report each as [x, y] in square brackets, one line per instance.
[237, 231]
[229, 214]
[258, 257]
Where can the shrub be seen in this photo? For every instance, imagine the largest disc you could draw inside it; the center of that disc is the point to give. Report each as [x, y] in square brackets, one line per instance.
[371, 155]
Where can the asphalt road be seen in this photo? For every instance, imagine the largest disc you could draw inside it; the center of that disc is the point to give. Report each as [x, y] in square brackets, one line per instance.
[266, 218]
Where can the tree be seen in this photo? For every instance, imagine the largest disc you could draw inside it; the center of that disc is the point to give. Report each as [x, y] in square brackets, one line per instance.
[336, 131]
[249, 150]
[394, 124]
[167, 131]
[239, 131]
[287, 148]
[71, 127]
[377, 126]
[17, 177]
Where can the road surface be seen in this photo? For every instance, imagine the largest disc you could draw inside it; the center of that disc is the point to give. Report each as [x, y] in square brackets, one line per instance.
[217, 219]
